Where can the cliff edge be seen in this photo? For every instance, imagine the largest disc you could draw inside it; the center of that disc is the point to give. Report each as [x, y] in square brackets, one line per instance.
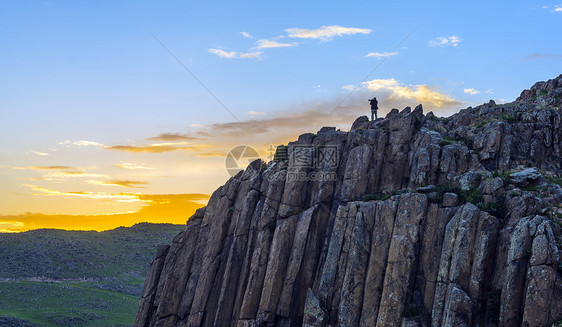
[410, 220]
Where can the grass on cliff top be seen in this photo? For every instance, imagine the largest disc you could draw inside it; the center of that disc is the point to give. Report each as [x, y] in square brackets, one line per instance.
[72, 278]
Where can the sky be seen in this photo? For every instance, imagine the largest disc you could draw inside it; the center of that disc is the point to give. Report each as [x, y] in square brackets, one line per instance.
[117, 112]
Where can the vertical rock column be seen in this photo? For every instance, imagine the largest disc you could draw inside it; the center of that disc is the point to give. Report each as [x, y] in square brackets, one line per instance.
[146, 305]
[353, 287]
[178, 260]
[464, 270]
[243, 213]
[402, 258]
[210, 261]
[272, 186]
[544, 285]
[381, 238]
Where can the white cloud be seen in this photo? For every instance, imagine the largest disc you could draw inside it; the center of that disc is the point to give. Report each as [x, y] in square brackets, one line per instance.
[38, 153]
[86, 143]
[380, 55]
[489, 91]
[234, 54]
[471, 91]
[256, 113]
[80, 143]
[424, 94]
[196, 125]
[223, 54]
[246, 35]
[557, 8]
[264, 44]
[250, 55]
[348, 87]
[170, 143]
[325, 33]
[445, 41]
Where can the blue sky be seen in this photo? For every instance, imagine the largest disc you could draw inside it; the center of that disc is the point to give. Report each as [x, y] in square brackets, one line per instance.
[79, 78]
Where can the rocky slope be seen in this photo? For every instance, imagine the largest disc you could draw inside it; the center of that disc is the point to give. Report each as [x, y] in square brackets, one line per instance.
[410, 220]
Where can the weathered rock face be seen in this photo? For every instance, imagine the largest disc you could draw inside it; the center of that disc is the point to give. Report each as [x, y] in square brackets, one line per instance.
[410, 220]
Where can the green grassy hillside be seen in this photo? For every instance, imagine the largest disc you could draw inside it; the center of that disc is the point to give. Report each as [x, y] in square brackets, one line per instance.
[76, 278]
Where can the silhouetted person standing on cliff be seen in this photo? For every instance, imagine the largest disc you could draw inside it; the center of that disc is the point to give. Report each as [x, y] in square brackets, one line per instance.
[374, 106]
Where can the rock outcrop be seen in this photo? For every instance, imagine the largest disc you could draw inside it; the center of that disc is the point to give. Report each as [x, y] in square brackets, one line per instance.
[410, 220]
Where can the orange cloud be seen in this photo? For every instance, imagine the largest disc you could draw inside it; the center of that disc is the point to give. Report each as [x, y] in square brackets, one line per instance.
[161, 147]
[158, 147]
[65, 174]
[121, 197]
[213, 154]
[122, 183]
[150, 148]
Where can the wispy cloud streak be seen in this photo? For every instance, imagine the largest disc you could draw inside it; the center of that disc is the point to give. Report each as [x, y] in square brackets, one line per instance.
[325, 33]
[380, 55]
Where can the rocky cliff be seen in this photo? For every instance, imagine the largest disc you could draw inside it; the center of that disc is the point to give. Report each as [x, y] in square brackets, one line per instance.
[410, 220]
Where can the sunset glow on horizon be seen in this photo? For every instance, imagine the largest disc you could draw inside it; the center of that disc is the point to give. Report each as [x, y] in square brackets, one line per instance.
[164, 208]
[123, 112]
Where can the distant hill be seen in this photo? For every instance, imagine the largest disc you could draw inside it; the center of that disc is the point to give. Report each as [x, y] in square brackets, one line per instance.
[51, 277]
[61, 254]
